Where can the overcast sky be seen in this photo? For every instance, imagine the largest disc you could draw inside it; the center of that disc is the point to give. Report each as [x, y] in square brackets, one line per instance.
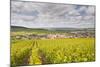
[41, 15]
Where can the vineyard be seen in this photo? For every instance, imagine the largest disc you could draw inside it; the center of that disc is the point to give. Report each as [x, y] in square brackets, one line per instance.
[52, 51]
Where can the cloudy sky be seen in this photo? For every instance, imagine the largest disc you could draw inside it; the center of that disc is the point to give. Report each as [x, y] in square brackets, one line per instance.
[43, 15]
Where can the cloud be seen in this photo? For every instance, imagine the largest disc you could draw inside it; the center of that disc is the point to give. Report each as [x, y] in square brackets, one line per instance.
[90, 10]
[36, 14]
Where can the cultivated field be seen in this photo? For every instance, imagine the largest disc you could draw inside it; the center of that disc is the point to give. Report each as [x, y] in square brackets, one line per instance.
[52, 51]
[53, 46]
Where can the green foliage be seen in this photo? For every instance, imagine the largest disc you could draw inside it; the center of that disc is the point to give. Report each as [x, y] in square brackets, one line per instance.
[49, 51]
[19, 51]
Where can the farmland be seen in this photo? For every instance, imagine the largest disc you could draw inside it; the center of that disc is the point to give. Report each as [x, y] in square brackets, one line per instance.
[32, 52]
[31, 48]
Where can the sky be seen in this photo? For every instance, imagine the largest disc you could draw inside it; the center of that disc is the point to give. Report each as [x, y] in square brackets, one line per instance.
[50, 15]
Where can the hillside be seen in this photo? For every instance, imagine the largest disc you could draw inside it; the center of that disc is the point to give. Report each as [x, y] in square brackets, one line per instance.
[19, 28]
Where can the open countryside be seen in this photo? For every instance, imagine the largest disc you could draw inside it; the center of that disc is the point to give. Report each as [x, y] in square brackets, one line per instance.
[51, 33]
[33, 47]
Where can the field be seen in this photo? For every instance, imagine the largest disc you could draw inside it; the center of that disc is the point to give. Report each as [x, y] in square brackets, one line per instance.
[51, 46]
[52, 51]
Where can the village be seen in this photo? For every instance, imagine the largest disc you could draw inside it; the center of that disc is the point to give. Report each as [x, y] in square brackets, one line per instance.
[56, 36]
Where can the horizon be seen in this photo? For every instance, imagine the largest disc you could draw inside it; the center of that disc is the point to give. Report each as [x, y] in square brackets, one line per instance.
[50, 27]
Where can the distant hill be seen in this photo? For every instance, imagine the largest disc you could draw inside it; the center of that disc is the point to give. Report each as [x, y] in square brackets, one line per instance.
[19, 28]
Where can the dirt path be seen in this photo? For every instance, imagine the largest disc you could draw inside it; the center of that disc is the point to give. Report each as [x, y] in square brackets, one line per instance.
[26, 59]
[40, 53]
[42, 57]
